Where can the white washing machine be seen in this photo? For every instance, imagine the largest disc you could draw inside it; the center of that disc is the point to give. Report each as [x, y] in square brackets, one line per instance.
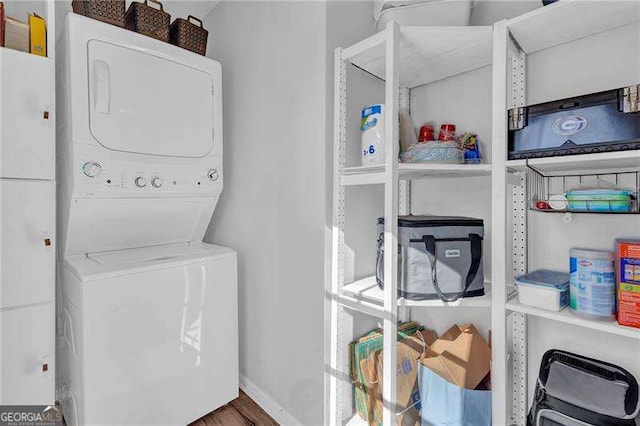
[147, 312]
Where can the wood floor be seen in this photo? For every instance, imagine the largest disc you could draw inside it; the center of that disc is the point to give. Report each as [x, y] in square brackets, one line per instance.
[242, 411]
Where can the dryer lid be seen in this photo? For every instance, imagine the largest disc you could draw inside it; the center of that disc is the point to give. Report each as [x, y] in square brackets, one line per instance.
[143, 103]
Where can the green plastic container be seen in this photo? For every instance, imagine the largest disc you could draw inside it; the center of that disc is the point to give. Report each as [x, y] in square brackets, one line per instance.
[599, 200]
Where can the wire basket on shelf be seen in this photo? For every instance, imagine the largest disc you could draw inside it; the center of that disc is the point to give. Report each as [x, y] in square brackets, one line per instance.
[584, 193]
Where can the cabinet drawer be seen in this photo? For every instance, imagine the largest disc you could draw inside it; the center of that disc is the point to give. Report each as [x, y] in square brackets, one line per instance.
[27, 231]
[27, 122]
[27, 350]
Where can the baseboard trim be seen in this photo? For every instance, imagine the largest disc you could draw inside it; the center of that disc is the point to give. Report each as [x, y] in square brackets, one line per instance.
[272, 408]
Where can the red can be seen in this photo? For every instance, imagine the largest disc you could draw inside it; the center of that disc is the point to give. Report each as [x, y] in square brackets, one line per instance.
[447, 132]
[426, 133]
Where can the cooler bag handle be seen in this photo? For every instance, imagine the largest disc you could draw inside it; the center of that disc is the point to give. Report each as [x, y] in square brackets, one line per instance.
[476, 258]
[379, 257]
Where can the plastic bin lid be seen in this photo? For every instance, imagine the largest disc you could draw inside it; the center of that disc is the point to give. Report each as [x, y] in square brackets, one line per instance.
[419, 221]
[545, 278]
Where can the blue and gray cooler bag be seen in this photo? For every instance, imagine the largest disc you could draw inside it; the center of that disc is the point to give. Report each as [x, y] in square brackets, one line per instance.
[573, 390]
[438, 257]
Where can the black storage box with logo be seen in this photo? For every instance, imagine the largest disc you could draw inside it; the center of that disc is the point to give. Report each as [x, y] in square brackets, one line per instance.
[438, 257]
[599, 122]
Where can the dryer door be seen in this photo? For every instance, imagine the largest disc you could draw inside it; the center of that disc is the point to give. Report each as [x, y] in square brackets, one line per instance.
[143, 103]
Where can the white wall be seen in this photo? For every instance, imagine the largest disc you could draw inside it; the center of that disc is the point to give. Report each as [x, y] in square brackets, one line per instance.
[272, 210]
[488, 12]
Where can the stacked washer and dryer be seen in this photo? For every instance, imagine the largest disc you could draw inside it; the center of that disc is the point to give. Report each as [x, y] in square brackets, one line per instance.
[147, 312]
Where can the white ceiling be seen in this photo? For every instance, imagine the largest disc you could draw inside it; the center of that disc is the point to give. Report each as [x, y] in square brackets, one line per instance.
[183, 8]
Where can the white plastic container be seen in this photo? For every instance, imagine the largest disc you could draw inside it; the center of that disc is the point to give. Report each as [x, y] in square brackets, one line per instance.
[544, 289]
[593, 284]
[440, 13]
[372, 127]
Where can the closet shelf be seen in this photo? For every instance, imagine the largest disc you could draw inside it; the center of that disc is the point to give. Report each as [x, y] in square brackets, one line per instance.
[427, 54]
[566, 21]
[363, 175]
[567, 317]
[10, 54]
[367, 292]
[598, 163]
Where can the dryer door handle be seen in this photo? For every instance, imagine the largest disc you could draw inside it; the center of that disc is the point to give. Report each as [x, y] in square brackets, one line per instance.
[102, 86]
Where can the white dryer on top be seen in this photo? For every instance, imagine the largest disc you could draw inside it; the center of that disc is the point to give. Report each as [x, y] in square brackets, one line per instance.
[147, 312]
[140, 126]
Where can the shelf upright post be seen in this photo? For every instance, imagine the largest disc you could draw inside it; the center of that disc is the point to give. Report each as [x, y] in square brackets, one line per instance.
[390, 326]
[404, 191]
[518, 321]
[337, 355]
[499, 221]
[50, 8]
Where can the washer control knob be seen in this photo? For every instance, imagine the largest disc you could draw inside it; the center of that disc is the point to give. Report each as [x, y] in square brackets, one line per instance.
[212, 175]
[141, 182]
[156, 182]
[91, 169]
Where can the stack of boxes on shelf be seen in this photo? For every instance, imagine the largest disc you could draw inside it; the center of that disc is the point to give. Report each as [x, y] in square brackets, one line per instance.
[443, 380]
[628, 270]
[30, 36]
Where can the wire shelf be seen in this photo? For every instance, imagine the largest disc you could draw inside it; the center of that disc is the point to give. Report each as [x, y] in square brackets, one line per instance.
[551, 194]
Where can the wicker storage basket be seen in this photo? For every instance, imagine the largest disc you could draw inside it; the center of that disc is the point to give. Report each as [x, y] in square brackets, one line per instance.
[189, 36]
[148, 20]
[109, 11]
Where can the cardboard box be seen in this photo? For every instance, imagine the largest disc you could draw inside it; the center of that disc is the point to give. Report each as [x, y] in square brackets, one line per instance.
[461, 356]
[16, 34]
[37, 35]
[409, 352]
[361, 353]
[628, 281]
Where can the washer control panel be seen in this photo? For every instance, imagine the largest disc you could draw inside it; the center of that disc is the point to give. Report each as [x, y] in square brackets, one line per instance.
[109, 177]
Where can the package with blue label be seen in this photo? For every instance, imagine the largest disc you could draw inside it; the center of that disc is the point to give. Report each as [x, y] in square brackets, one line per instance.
[544, 289]
[372, 128]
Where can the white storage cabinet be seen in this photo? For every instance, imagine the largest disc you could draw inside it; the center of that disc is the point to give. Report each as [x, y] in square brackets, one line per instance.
[27, 218]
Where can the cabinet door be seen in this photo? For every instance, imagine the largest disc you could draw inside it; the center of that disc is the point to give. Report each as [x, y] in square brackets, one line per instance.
[27, 124]
[27, 351]
[27, 253]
